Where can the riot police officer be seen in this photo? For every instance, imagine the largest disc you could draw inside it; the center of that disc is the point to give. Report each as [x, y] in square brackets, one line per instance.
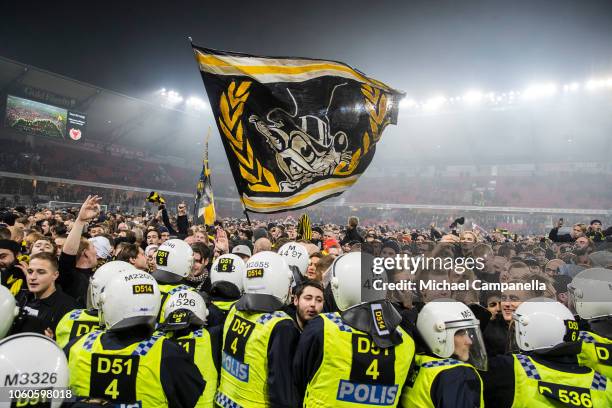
[128, 363]
[446, 376]
[590, 294]
[359, 356]
[259, 339]
[226, 277]
[185, 322]
[545, 373]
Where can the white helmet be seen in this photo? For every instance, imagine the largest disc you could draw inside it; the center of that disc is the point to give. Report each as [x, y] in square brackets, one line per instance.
[8, 311]
[229, 268]
[352, 280]
[440, 320]
[184, 308]
[542, 323]
[102, 275]
[590, 293]
[174, 260]
[268, 273]
[27, 353]
[130, 299]
[295, 254]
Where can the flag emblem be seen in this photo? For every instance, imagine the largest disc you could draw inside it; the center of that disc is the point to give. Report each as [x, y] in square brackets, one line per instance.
[296, 131]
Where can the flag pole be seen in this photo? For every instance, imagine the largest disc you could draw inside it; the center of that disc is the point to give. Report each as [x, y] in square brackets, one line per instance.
[245, 212]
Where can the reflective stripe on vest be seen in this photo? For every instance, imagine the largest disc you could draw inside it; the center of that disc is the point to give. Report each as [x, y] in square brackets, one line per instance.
[244, 368]
[418, 394]
[129, 375]
[537, 385]
[354, 372]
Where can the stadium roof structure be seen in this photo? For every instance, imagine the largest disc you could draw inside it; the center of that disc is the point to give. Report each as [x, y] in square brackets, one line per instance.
[567, 128]
[112, 117]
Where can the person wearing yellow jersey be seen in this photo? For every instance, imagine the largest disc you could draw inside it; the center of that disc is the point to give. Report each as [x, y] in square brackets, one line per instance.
[184, 324]
[226, 277]
[359, 357]
[445, 376]
[173, 262]
[79, 322]
[590, 294]
[546, 372]
[259, 339]
[128, 363]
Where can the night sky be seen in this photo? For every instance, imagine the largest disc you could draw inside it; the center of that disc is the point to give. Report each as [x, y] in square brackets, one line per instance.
[420, 47]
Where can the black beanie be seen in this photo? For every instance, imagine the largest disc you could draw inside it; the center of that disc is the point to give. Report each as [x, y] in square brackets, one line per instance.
[392, 244]
[10, 245]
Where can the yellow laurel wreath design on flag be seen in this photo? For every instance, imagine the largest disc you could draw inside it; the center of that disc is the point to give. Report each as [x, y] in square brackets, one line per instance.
[376, 105]
[231, 105]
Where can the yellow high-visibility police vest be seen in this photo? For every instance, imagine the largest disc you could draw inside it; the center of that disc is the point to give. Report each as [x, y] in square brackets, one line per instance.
[418, 395]
[596, 353]
[129, 375]
[244, 360]
[538, 386]
[197, 345]
[167, 290]
[76, 323]
[354, 371]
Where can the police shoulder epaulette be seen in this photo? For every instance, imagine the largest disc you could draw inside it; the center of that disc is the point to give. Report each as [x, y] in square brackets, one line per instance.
[266, 317]
[337, 320]
[75, 314]
[441, 363]
[586, 337]
[144, 346]
[90, 339]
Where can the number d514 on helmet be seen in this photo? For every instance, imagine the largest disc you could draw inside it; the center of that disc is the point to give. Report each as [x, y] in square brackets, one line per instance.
[130, 299]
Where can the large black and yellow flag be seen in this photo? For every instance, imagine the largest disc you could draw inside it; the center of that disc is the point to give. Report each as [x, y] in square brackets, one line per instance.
[296, 131]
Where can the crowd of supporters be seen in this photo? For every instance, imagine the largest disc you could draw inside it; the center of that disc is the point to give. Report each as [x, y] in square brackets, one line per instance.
[47, 258]
[26, 232]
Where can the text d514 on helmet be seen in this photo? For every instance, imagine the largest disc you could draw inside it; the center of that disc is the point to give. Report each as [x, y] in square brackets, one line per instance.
[130, 299]
[268, 273]
[102, 275]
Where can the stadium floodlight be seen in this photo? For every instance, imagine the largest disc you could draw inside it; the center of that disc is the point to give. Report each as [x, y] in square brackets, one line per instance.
[174, 97]
[473, 97]
[195, 103]
[407, 103]
[594, 84]
[540, 91]
[572, 87]
[435, 103]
